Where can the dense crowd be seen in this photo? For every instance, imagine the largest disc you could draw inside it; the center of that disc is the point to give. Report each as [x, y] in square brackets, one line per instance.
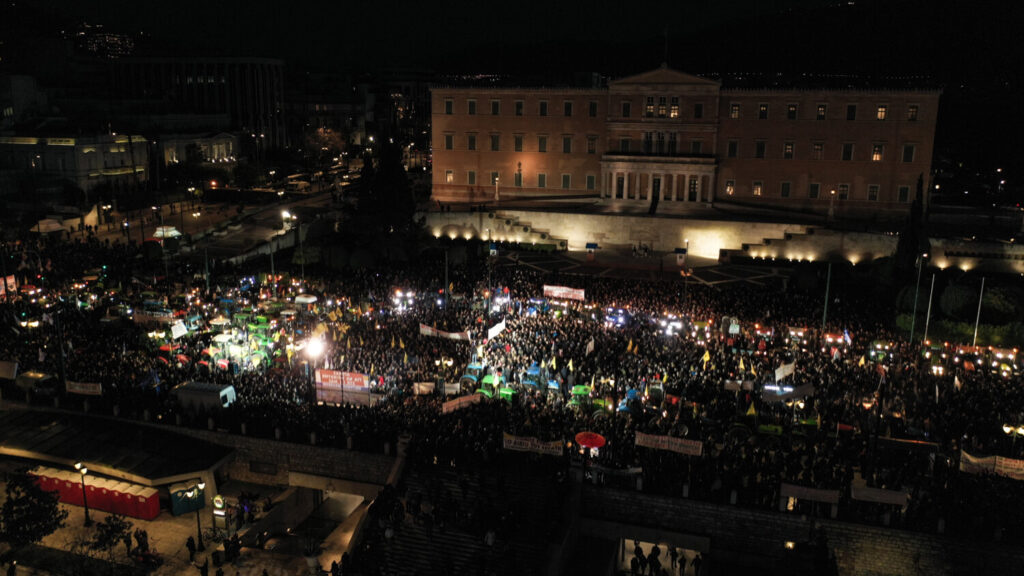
[655, 356]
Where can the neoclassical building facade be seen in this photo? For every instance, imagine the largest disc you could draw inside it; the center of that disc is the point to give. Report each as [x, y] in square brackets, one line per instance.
[664, 139]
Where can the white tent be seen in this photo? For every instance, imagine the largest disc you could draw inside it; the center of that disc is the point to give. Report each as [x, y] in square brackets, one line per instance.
[166, 232]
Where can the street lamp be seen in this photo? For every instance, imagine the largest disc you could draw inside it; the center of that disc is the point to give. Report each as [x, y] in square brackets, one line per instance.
[197, 492]
[831, 204]
[82, 471]
[496, 179]
[302, 251]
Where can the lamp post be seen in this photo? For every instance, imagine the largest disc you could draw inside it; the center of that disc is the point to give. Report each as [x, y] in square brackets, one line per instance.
[831, 205]
[917, 288]
[496, 188]
[298, 231]
[197, 493]
[82, 471]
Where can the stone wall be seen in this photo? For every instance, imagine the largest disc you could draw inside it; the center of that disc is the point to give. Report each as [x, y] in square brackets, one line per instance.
[757, 537]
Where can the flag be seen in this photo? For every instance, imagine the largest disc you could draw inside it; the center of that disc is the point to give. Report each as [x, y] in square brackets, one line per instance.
[360, 340]
[570, 364]
[405, 358]
[629, 347]
[742, 367]
[591, 383]
[392, 340]
[664, 378]
[957, 382]
[401, 344]
[969, 366]
[936, 392]
[751, 411]
[590, 346]
[553, 365]
[333, 316]
[752, 371]
[348, 342]
[861, 361]
[705, 358]
[636, 350]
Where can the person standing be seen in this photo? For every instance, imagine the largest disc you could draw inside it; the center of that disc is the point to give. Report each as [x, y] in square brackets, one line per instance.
[190, 545]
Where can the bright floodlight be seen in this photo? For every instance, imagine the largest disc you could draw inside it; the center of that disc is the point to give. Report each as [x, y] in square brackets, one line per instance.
[286, 214]
[315, 348]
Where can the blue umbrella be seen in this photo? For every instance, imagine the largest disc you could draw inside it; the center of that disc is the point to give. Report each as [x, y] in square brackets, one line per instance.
[631, 394]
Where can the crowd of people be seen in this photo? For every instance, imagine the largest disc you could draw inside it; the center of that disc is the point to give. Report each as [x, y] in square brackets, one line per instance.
[661, 358]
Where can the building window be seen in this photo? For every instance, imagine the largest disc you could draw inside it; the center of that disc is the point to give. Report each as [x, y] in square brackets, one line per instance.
[591, 144]
[662, 109]
[730, 187]
[649, 107]
[518, 179]
[449, 176]
[908, 152]
[695, 147]
[543, 108]
[851, 111]
[784, 189]
[566, 144]
[471, 142]
[757, 188]
[567, 109]
[791, 112]
[495, 142]
[494, 178]
[471, 178]
[698, 111]
[877, 152]
[472, 107]
[818, 150]
[904, 194]
[626, 109]
[672, 143]
[495, 107]
[518, 142]
[787, 150]
[822, 111]
[844, 191]
[813, 190]
[566, 181]
[912, 113]
[542, 144]
[873, 192]
[542, 180]
[593, 108]
[732, 149]
[762, 112]
[691, 192]
[847, 151]
[591, 182]
[661, 142]
[449, 141]
[673, 111]
[449, 106]
[624, 145]
[648, 142]
[519, 107]
[882, 110]
[759, 148]
[734, 111]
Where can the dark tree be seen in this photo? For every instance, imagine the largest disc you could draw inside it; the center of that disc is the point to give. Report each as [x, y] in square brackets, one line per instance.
[110, 534]
[30, 513]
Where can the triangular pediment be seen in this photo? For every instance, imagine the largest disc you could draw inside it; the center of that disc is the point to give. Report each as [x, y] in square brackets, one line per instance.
[663, 75]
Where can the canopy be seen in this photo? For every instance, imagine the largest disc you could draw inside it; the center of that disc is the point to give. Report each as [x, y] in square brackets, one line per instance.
[220, 321]
[222, 338]
[305, 299]
[590, 440]
[166, 232]
[31, 379]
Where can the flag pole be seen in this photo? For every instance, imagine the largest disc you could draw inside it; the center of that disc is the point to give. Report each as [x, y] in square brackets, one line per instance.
[977, 319]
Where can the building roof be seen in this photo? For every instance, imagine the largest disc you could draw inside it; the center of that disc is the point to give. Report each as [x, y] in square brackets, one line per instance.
[134, 452]
[662, 75]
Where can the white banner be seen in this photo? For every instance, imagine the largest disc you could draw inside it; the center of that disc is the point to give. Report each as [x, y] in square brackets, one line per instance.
[422, 388]
[429, 331]
[590, 346]
[451, 388]
[784, 370]
[460, 403]
[563, 293]
[670, 443]
[998, 465]
[178, 330]
[84, 388]
[531, 444]
[495, 330]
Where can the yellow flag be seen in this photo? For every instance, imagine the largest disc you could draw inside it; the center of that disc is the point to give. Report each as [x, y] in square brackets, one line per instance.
[553, 365]
[360, 340]
[392, 340]
[401, 344]
[591, 383]
[861, 362]
[570, 364]
[372, 368]
[636, 350]
[405, 358]
[751, 411]
[742, 368]
[752, 371]
[705, 358]
[664, 378]
[629, 347]
[332, 316]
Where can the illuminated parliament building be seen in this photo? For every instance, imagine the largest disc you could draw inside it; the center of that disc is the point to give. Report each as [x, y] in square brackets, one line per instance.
[666, 139]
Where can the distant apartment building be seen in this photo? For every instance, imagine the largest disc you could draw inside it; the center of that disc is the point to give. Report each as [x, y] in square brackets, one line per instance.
[666, 139]
[119, 161]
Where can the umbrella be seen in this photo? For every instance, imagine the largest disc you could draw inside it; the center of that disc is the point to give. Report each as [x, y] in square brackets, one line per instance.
[288, 312]
[204, 363]
[533, 370]
[222, 338]
[590, 440]
[485, 392]
[211, 351]
[305, 299]
[220, 322]
[183, 359]
[631, 394]
[164, 360]
[222, 364]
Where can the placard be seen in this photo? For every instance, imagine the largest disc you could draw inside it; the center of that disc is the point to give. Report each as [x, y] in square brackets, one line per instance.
[495, 330]
[564, 293]
[670, 443]
[531, 444]
[84, 388]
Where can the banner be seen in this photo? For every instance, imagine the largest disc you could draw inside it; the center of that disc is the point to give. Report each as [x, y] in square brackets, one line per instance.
[590, 346]
[670, 443]
[806, 493]
[782, 392]
[784, 370]
[429, 331]
[531, 444]
[998, 465]
[8, 285]
[84, 388]
[336, 387]
[737, 385]
[178, 330]
[563, 293]
[8, 370]
[460, 403]
[865, 494]
[451, 388]
[495, 330]
[421, 388]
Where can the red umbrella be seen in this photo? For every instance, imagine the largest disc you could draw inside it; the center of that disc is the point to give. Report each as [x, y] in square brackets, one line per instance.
[204, 363]
[165, 348]
[222, 364]
[164, 360]
[590, 440]
[183, 359]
